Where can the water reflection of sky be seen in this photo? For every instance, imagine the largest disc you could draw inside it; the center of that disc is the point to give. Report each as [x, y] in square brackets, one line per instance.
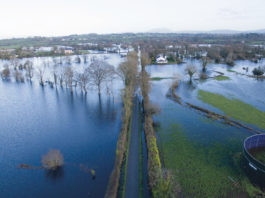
[84, 127]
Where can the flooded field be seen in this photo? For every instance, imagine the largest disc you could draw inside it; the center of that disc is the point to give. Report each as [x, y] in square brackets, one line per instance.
[35, 119]
[205, 154]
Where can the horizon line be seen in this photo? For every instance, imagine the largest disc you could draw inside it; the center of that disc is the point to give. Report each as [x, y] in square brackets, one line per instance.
[154, 31]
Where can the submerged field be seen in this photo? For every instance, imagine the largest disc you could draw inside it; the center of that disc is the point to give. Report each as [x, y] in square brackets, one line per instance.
[205, 154]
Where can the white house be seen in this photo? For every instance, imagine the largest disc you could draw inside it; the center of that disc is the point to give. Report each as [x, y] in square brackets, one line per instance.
[44, 49]
[161, 59]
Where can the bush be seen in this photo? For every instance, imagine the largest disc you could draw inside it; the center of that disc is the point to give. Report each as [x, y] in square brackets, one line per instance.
[190, 70]
[6, 72]
[203, 76]
[258, 71]
[19, 76]
[52, 160]
[230, 63]
[152, 109]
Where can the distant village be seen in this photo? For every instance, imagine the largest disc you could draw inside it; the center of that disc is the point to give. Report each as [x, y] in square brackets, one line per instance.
[82, 48]
[161, 48]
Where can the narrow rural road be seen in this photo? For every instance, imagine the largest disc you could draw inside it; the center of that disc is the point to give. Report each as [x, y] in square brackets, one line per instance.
[132, 180]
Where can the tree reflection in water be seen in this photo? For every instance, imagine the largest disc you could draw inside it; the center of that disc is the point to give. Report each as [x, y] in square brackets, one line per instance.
[55, 174]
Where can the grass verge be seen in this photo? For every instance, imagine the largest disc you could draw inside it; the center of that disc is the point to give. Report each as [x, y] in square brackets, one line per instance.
[160, 180]
[125, 165]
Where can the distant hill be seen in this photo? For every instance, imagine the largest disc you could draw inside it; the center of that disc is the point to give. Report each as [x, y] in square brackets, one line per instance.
[221, 31]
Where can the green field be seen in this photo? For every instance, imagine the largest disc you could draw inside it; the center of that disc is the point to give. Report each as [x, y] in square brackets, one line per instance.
[234, 108]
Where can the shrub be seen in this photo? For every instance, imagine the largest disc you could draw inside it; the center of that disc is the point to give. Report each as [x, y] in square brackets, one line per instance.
[204, 63]
[52, 160]
[190, 70]
[230, 63]
[6, 72]
[152, 109]
[19, 76]
[203, 76]
[258, 71]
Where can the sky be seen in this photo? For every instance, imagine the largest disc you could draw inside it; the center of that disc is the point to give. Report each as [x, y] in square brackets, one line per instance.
[22, 18]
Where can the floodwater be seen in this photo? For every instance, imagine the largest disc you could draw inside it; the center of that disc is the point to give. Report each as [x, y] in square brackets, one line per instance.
[210, 147]
[35, 119]
[249, 90]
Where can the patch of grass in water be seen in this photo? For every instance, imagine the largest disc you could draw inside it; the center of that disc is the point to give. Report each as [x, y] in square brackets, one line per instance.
[230, 70]
[160, 78]
[234, 108]
[221, 78]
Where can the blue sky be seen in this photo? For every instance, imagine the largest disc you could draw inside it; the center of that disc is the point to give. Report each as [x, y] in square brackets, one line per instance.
[63, 17]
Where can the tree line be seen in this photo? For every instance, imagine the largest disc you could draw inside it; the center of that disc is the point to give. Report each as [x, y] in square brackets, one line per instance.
[61, 73]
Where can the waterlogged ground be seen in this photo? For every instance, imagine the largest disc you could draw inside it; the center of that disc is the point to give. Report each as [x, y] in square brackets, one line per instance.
[204, 154]
[84, 128]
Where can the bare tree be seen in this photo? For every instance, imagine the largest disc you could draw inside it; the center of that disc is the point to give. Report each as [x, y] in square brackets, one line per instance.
[123, 71]
[14, 62]
[61, 75]
[68, 77]
[83, 79]
[190, 70]
[78, 60]
[41, 71]
[99, 72]
[60, 60]
[55, 71]
[55, 74]
[6, 72]
[204, 64]
[85, 58]
[145, 60]
[68, 60]
[229, 59]
[128, 69]
[55, 61]
[19, 76]
[29, 69]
